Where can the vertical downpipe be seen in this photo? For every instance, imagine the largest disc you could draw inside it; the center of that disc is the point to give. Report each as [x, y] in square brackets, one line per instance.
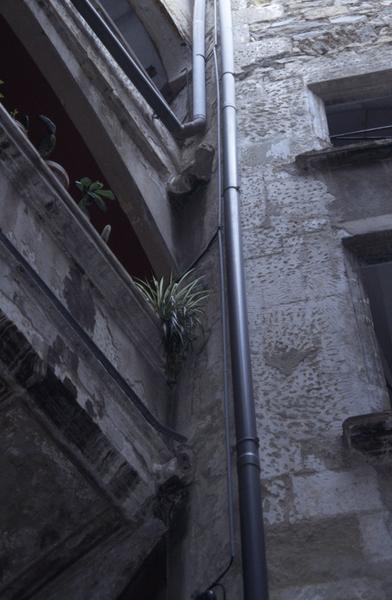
[251, 518]
[199, 60]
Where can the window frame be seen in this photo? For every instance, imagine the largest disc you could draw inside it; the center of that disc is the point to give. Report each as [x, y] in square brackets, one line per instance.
[345, 90]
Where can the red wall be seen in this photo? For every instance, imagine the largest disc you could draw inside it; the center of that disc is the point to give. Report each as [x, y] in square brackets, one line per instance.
[27, 90]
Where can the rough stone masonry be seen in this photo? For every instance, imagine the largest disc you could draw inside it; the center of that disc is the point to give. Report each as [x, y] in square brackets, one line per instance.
[315, 358]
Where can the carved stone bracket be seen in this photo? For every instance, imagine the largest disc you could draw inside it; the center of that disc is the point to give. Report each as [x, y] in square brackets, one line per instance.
[196, 173]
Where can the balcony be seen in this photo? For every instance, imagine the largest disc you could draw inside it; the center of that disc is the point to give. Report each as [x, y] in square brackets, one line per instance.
[83, 393]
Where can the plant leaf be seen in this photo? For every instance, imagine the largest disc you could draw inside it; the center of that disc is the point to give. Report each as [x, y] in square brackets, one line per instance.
[85, 182]
[108, 194]
[179, 305]
[96, 185]
[101, 203]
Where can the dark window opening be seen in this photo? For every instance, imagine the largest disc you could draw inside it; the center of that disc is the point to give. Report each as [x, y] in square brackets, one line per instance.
[150, 582]
[377, 279]
[26, 90]
[360, 121]
[132, 31]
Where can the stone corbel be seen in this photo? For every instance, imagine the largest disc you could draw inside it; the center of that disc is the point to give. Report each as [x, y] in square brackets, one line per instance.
[180, 467]
[196, 173]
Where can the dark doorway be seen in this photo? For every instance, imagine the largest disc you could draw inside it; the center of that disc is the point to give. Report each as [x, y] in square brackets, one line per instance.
[26, 90]
[150, 581]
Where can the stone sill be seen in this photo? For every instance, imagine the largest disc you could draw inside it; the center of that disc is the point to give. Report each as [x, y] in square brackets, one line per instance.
[344, 156]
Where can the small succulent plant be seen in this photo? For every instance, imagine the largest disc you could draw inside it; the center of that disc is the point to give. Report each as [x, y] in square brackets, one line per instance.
[179, 305]
[93, 193]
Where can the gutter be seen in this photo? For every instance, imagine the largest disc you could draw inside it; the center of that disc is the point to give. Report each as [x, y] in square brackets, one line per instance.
[131, 66]
[248, 465]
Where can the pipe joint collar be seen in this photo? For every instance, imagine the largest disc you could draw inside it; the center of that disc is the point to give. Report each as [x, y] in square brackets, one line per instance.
[249, 458]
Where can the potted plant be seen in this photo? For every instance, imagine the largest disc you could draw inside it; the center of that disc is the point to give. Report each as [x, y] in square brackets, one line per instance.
[178, 303]
[94, 193]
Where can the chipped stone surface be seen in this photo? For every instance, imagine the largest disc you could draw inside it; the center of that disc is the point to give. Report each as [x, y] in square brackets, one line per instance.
[77, 455]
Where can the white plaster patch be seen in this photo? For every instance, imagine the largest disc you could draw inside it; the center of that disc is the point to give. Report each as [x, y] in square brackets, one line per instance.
[280, 149]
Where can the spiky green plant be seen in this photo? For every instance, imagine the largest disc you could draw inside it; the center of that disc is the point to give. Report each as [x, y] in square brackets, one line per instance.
[179, 305]
[93, 193]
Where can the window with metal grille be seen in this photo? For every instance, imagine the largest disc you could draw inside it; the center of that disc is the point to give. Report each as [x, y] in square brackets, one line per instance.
[354, 109]
[363, 120]
[131, 31]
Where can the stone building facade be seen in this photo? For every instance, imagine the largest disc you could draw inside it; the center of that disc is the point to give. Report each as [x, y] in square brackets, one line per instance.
[313, 214]
[114, 485]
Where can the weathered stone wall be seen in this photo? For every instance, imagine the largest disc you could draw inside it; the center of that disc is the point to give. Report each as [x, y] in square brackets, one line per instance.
[97, 341]
[314, 355]
[69, 270]
[81, 376]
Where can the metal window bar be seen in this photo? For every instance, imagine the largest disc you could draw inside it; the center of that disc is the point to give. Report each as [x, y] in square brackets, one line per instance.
[348, 135]
[143, 82]
[116, 31]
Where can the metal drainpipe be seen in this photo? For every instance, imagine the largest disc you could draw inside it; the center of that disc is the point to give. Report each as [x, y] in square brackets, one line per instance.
[131, 67]
[251, 518]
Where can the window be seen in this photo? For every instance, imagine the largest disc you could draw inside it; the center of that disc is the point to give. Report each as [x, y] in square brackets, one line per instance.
[370, 257]
[356, 109]
[133, 33]
[359, 121]
[377, 279]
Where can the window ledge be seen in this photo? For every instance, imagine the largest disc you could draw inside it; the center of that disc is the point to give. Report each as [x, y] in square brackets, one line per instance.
[332, 157]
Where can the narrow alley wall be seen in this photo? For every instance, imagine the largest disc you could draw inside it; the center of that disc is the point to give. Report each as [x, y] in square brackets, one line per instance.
[315, 358]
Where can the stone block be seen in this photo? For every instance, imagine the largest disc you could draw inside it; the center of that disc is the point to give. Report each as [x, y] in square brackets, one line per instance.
[257, 52]
[376, 535]
[310, 267]
[265, 12]
[332, 493]
[325, 12]
[302, 554]
[345, 589]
